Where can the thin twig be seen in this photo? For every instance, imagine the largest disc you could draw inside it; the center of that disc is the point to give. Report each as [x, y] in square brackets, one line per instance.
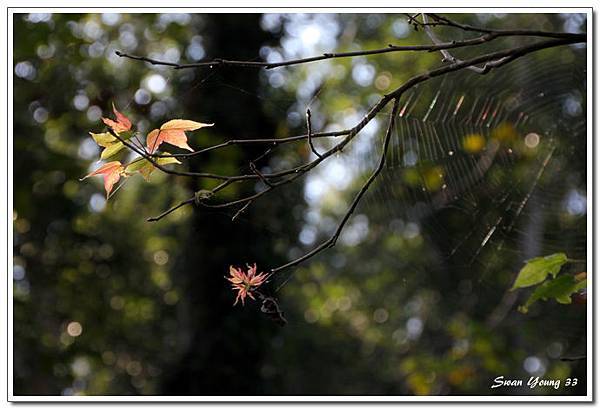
[242, 210]
[217, 62]
[333, 239]
[309, 130]
[491, 60]
[273, 141]
[262, 177]
[157, 165]
[441, 20]
[573, 358]
[170, 210]
[448, 57]
[510, 55]
[496, 57]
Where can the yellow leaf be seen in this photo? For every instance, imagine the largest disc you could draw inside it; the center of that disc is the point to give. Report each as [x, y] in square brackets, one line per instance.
[103, 139]
[111, 150]
[145, 167]
[147, 170]
[167, 161]
[183, 124]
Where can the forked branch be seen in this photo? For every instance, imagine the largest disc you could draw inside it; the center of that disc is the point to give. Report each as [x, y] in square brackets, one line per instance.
[481, 64]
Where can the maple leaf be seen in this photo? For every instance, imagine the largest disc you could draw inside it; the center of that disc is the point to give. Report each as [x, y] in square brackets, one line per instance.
[245, 282]
[173, 132]
[104, 139]
[123, 123]
[111, 145]
[111, 172]
[145, 167]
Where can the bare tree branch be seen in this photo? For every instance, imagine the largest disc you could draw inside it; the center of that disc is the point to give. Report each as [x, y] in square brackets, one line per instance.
[490, 35]
[491, 60]
[481, 64]
[272, 141]
[333, 239]
[441, 20]
[505, 56]
[448, 57]
[169, 211]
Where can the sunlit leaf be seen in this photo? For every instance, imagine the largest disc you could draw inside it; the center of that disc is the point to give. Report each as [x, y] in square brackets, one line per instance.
[121, 125]
[111, 150]
[537, 269]
[145, 167]
[559, 289]
[111, 172]
[104, 139]
[173, 132]
[183, 124]
[167, 161]
[111, 144]
[136, 165]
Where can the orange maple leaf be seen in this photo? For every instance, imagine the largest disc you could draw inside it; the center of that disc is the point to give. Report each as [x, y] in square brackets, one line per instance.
[123, 123]
[245, 282]
[173, 132]
[111, 172]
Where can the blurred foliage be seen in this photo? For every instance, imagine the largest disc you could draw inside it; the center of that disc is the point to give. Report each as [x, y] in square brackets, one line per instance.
[106, 303]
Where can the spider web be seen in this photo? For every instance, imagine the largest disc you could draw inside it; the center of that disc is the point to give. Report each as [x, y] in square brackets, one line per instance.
[502, 154]
[509, 194]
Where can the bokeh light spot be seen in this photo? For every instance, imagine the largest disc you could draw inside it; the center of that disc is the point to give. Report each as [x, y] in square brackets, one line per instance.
[74, 329]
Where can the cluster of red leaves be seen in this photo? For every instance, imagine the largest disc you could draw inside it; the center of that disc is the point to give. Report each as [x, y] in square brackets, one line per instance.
[171, 132]
[112, 171]
[245, 282]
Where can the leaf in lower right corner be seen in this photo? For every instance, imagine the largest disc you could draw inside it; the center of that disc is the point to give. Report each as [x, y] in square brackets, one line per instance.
[559, 289]
[537, 269]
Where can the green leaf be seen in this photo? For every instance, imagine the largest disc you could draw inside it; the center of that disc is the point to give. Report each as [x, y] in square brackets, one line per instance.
[111, 150]
[537, 269]
[147, 170]
[560, 289]
[166, 161]
[104, 139]
[145, 167]
[136, 165]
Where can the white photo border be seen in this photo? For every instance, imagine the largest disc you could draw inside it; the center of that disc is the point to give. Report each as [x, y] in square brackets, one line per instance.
[6, 148]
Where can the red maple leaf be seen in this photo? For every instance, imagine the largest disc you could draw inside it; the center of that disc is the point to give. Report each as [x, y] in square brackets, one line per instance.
[111, 172]
[245, 282]
[123, 123]
[173, 132]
